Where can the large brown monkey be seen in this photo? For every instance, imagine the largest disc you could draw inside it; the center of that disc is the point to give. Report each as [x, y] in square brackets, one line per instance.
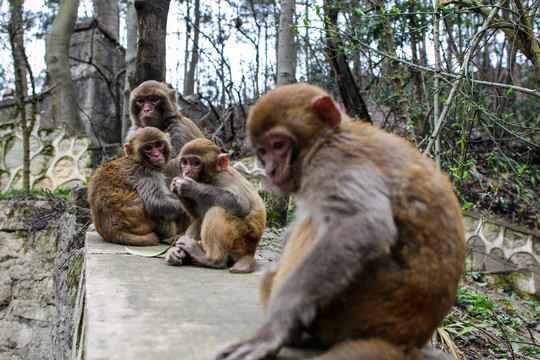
[130, 200]
[228, 214]
[372, 263]
[154, 104]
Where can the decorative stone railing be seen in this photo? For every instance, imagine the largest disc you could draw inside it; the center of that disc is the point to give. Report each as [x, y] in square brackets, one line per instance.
[57, 161]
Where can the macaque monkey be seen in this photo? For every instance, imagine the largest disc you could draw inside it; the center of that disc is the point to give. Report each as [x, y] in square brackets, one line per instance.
[154, 104]
[372, 262]
[228, 213]
[130, 200]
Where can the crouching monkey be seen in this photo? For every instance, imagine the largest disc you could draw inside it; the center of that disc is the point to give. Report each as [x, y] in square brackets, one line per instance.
[228, 213]
[130, 200]
[372, 263]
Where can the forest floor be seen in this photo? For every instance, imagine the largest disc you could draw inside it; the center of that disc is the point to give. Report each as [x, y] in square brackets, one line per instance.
[484, 323]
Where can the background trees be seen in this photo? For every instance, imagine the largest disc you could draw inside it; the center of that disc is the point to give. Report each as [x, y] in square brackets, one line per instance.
[458, 78]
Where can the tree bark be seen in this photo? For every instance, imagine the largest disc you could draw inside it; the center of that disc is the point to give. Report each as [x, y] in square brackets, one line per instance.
[106, 13]
[286, 57]
[22, 67]
[152, 19]
[403, 110]
[352, 100]
[65, 110]
[189, 81]
[17, 32]
[131, 59]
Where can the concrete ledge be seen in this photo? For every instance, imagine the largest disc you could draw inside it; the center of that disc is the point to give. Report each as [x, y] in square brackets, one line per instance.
[142, 308]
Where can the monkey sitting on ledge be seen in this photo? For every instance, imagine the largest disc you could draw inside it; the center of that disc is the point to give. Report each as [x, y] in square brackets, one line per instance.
[228, 214]
[130, 200]
[371, 264]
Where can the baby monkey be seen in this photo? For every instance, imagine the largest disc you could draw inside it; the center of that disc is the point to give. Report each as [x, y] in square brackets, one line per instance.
[227, 212]
[130, 200]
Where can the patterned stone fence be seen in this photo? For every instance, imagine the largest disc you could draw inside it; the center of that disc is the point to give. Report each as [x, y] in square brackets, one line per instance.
[519, 247]
[57, 161]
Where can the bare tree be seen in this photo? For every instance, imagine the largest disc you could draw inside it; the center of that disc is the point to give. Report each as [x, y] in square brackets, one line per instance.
[403, 111]
[286, 54]
[189, 81]
[131, 60]
[152, 20]
[106, 13]
[348, 90]
[65, 111]
[21, 66]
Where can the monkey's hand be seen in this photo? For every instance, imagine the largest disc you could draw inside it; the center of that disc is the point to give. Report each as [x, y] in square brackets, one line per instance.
[253, 349]
[175, 255]
[182, 186]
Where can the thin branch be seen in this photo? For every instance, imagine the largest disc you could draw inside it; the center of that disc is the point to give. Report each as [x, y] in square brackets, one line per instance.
[461, 76]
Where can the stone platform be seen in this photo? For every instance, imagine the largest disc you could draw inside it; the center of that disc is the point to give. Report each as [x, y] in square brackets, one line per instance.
[142, 308]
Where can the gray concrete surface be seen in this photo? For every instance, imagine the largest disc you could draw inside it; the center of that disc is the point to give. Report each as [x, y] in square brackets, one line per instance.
[142, 308]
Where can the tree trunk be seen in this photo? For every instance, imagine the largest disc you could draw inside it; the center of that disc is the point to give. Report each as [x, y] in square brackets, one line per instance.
[152, 19]
[65, 110]
[106, 13]
[286, 57]
[17, 31]
[189, 81]
[403, 110]
[352, 100]
[21, 67]
[131, 59]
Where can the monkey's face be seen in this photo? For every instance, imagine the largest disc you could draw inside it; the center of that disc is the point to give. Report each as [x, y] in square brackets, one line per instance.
[149, 109]
[275, 149]
[154, 152]
[192, 167]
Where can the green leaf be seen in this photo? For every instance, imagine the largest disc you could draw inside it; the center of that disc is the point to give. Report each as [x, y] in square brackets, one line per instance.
[508, 92]
[150, 254]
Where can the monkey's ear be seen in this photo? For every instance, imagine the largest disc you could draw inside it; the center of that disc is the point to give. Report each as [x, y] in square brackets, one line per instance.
[327, 110]
[128, 149]
[222, 161]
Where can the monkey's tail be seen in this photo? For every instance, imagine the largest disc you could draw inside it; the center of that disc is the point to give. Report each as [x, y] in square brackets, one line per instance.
[138, 240]
[244, 265]
[373, 349]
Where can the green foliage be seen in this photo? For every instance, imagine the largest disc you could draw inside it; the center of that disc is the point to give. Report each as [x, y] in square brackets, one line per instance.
[13, 193]
[477, 314]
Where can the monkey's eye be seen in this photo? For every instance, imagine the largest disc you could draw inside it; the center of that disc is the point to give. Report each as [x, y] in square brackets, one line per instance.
[196, 162]
[278, 145]
[184, 162]
[154, 99]
[147, 147]
[159, 144]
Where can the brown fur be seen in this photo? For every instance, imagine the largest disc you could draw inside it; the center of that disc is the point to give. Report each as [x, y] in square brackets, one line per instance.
[228, 215]
[130, 202]
[372, 263]
[167, 117]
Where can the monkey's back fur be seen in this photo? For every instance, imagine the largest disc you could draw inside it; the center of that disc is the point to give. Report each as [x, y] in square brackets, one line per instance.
[401, 297]
[117, 209]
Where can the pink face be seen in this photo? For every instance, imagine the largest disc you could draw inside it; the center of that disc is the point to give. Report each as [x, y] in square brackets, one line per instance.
[191, 166]
[275, 150]
[149, 109]
[154, 152]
